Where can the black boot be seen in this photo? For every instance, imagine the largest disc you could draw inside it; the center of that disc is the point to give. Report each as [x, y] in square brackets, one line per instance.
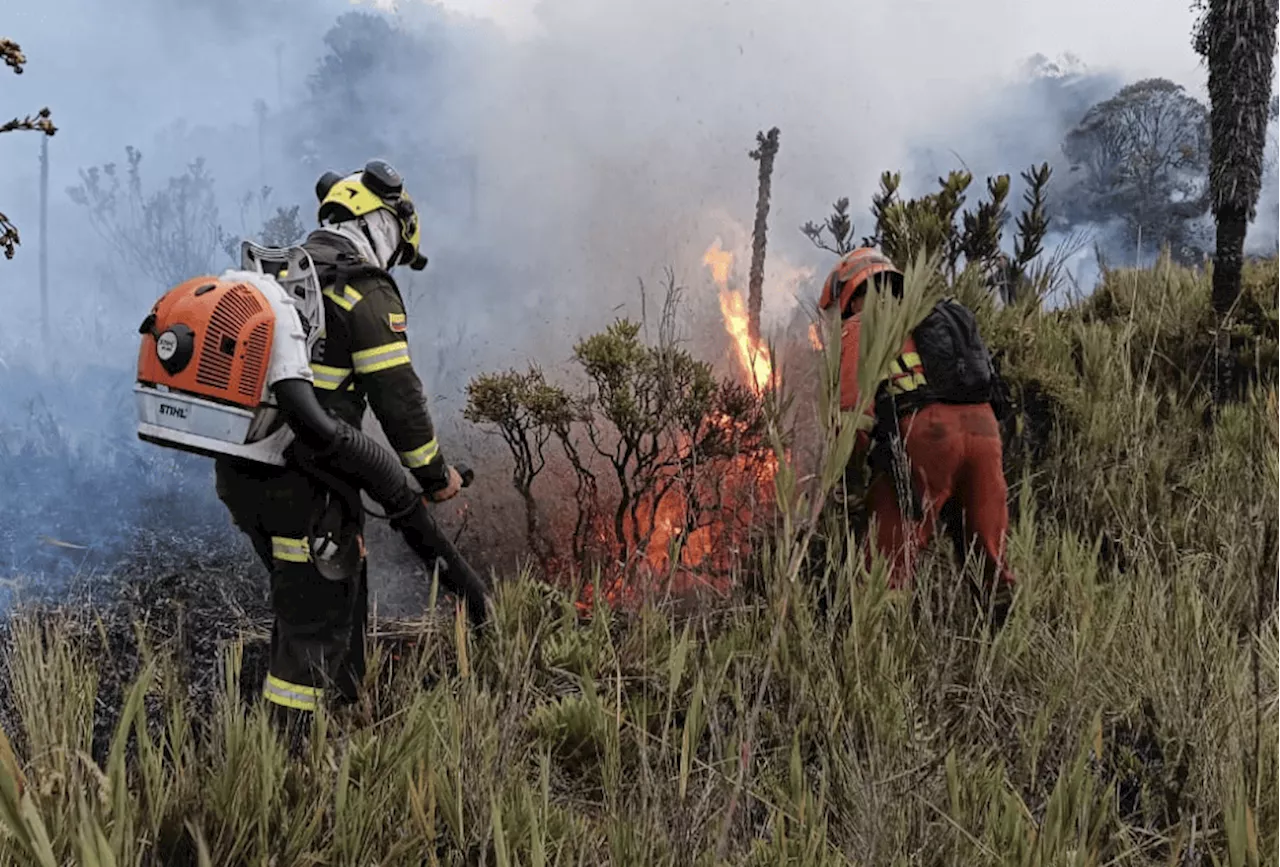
[292, 725]
[1001, 603]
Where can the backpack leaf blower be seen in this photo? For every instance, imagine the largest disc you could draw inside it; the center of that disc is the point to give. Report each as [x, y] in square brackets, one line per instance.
[224, 371]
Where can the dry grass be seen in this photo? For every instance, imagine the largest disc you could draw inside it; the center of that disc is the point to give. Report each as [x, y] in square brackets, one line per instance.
[1126, 714]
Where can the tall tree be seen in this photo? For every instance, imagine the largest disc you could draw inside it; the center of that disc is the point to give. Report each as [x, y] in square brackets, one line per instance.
[1237, 38]
[766, 150]
[13, 58]
[1142, 157]
[385, 87]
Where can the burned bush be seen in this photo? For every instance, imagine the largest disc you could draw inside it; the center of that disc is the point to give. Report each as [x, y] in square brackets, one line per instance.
[661, 453]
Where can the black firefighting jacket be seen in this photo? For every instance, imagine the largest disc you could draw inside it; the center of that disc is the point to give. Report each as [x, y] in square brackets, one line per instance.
[363, 355]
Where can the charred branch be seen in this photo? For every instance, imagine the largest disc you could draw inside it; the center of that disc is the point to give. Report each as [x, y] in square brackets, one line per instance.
[39, 123]
[13, 58]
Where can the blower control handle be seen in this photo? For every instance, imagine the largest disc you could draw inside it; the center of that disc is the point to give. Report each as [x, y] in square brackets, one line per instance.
[468, 475]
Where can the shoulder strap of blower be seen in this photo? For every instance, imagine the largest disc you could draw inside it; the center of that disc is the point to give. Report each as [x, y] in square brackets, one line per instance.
[337, 267]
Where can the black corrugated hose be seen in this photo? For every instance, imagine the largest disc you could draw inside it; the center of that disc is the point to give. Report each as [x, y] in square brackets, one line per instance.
[327, 445]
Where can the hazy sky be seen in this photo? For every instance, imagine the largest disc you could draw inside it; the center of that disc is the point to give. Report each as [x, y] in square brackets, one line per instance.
[1144, 36]
[611, 135]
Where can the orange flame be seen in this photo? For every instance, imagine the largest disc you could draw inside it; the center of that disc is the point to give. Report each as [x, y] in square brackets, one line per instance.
[719, 261]
[815, 337]
[710, 540]
[752, 354]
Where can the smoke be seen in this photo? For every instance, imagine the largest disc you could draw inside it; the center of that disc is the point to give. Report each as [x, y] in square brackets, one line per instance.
[560, 152]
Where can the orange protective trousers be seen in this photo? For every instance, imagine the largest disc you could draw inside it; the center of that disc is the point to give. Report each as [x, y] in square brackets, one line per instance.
[955, 452]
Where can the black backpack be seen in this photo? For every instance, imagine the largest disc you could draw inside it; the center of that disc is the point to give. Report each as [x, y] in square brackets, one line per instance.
[957, 364]
[958, 368]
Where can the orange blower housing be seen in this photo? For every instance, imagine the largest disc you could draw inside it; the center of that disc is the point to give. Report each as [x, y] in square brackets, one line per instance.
[203, 366]
[214, 350]
[209, 337]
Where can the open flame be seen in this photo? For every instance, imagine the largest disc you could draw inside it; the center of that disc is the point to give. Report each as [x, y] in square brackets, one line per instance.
[815, 336]
[709, 540]
[753, 355]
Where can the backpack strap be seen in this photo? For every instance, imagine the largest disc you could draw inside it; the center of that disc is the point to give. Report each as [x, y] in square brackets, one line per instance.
[346, 381]
[889, 455]
[337, 267]
[336, 262]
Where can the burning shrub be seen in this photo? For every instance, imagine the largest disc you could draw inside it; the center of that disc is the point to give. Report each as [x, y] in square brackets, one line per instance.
[663, 454]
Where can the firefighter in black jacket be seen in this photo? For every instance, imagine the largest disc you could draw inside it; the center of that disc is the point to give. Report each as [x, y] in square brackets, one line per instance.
[308, 532]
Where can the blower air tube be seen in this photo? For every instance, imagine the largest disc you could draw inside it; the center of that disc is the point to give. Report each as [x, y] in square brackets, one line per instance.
[334, 447]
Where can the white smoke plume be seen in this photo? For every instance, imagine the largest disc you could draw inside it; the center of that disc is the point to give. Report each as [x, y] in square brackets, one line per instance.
[560, 150]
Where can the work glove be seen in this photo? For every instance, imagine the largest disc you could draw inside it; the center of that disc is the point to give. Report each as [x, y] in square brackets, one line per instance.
[452, 484]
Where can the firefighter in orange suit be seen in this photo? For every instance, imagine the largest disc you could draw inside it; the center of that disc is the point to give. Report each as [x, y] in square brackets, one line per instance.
[952, 447]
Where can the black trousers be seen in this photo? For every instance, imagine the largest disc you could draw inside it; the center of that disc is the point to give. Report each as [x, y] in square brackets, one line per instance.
[309, 537]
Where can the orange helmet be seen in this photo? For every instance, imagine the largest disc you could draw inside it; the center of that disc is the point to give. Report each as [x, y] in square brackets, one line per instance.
[851, 273]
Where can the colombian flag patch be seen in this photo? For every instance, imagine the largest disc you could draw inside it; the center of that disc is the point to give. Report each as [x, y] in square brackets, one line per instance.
[396, 321]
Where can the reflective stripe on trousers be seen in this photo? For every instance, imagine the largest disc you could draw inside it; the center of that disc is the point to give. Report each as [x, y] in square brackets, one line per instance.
[290, 550]
[294, 695]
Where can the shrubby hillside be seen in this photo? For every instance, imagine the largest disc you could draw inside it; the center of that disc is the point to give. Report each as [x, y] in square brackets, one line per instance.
[1126, 713]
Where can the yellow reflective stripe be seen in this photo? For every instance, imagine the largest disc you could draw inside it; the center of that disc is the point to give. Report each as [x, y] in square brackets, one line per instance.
[348, 299]
[908, 382]
[290, 550]
[293, 695]
[329, 378]
[903, 375]
[300, 689]
[421, 456]
[381, 357]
